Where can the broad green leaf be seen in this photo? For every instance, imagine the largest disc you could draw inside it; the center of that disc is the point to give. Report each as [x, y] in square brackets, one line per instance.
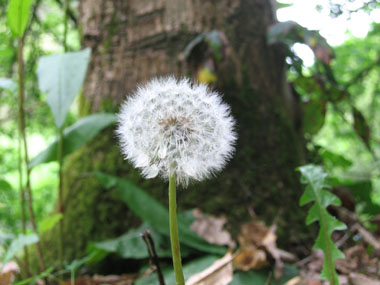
[332, 159]
[189, 269]
[61, 76]
[75, 136]
[5, 186]
[18, 16]
[314, 116]
[315, 177]
[8, 84]
[131, 244]
[18, 244]
[156, 214]
[49, 223]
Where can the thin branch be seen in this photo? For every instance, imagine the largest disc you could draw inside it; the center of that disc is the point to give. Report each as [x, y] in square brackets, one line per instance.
[153, 258]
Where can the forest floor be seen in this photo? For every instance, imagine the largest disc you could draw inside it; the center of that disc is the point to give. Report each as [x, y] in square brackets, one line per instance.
[257, 250]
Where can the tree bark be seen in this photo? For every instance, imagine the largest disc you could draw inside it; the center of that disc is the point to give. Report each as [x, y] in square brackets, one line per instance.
[133, 41]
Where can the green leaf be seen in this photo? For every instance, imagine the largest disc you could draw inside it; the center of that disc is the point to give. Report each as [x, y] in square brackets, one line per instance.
[8, 84]
[18, 16]
[332, 159]
[314, 116]
[362, 191]
[49, 223]
[5, 186]
[131, 244]
[156, 214]
[75, 136]
[314, 177]
[283, 5]
[262, 276]
[290, 32]
[18, 244]
[189, 269]
[361, 127]
[61, 77]
[35, 278]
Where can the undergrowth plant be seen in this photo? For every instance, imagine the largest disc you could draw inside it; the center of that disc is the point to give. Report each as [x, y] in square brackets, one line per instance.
[315, 179]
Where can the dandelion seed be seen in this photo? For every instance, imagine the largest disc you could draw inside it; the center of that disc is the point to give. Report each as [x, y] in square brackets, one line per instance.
[171, 126]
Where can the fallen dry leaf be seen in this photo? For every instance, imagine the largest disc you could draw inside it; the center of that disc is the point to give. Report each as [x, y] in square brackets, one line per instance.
[219, 273]
[256, 242]
[294, 281]
[6, 278]
[250, 258]
[211, 228]
[8, 272]
[361, 279]
[124, 279]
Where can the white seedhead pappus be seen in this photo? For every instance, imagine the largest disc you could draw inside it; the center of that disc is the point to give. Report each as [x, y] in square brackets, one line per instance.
[175, 127]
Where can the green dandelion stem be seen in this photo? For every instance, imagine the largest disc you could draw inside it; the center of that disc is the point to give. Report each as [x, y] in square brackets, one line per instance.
[174, 239]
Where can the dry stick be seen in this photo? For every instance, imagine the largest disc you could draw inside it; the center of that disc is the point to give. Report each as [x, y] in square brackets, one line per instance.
[26, 158]
[153, 258]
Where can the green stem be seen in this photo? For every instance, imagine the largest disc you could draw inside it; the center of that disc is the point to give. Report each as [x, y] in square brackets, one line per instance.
[22, 197]
[60, 149]
[60, 196]
[65, 24]
[174, 239]
[25, 145]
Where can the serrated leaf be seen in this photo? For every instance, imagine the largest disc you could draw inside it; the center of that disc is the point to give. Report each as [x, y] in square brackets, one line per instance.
[61, 76]
[156, 214]
[18, 244]
[315, 177]
[49, 223]
[307, 196]
[18, 16]
[75, 136]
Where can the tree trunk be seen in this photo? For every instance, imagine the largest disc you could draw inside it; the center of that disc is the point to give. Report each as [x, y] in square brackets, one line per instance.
[135, 40]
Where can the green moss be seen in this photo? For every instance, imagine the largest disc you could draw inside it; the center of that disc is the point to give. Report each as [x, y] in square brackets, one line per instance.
[84, 106]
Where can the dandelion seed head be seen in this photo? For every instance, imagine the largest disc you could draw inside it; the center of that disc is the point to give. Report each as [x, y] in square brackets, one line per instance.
[171, 126]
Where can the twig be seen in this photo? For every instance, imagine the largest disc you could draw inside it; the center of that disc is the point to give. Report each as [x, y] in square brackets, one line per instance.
[367, 236]
[153, 258]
